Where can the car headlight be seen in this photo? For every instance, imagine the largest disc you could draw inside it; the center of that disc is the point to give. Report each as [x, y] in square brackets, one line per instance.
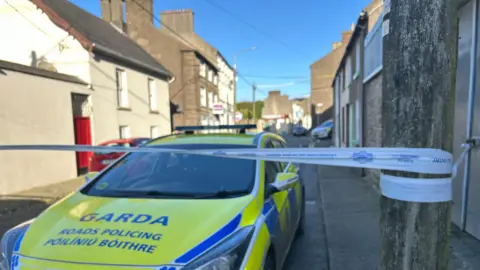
[227, 255]
[8, 241]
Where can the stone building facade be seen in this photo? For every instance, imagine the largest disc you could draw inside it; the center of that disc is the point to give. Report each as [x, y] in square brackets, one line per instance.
[322, 73]
[193, 61]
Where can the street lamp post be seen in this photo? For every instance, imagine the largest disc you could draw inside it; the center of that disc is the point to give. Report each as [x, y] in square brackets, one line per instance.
[235, 75]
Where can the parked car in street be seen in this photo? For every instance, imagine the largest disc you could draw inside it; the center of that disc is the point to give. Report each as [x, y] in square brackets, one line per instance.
[324, 131]
[101, 160]
[299, 131]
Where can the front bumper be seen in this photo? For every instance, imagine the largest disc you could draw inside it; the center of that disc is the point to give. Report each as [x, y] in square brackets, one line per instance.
[320, 135]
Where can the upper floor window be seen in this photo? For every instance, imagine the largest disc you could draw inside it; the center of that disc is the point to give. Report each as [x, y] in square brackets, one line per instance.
[342, 81]
[122, 90]
[203, 97]
[210, 99]
[152, 95]
[202, 69]
[348, 72]
[215, 79]
[210, 75]
[357, 58]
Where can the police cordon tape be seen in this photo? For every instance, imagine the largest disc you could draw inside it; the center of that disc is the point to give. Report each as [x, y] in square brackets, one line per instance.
[416, 160]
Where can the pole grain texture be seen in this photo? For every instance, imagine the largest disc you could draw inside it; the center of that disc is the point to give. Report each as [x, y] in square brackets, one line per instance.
[419, 64]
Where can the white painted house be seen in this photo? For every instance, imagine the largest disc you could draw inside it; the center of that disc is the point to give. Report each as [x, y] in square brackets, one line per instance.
[124, 91]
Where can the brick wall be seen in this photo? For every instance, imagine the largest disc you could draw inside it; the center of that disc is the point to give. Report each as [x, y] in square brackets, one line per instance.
[372, 122]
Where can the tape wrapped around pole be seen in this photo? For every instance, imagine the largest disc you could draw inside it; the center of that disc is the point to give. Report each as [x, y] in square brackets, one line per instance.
[416, 190]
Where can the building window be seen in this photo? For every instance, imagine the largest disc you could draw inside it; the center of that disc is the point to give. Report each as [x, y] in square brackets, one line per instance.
[124, 132]
[210, 100]
[152, 95]
[215, 79]
[342, 85]
[210, 75]
[348, 72]
[357, 58]
[203, 68]
[203, 97]
[122, 90]
[153, 132]
[215, 99]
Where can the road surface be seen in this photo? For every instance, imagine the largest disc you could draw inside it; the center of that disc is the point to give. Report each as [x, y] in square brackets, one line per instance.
[310, 250]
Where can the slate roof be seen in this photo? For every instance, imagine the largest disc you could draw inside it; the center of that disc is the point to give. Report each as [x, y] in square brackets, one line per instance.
[99, 36]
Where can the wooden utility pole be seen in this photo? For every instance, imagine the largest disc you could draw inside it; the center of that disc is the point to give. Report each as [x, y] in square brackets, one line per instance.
[419, 66]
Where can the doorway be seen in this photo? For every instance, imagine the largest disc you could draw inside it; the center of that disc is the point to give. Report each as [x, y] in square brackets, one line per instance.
[82, 112]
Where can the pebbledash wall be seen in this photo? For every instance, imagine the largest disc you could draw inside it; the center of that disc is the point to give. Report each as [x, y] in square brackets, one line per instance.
[466, 184]
[372, 107]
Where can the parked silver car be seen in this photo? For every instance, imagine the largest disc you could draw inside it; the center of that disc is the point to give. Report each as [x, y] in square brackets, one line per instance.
[324, 131]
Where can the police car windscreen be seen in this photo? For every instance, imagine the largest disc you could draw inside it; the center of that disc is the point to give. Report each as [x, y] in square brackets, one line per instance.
[176, 175]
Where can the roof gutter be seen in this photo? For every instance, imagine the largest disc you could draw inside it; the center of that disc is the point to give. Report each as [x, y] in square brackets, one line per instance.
[362, 19]
[109, 52]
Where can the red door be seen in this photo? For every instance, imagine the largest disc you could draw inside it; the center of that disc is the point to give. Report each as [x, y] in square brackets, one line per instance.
[83, 135]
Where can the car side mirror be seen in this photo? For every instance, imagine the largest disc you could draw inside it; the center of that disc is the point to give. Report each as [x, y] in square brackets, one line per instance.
[89, 176]
[283, 181]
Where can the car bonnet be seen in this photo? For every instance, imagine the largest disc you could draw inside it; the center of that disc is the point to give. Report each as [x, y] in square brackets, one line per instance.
[132, 232]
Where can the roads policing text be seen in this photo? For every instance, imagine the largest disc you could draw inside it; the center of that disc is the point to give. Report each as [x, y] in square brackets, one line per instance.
[126, 239]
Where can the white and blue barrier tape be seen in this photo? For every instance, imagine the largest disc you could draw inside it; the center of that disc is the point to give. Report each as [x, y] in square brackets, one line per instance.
[416, 160]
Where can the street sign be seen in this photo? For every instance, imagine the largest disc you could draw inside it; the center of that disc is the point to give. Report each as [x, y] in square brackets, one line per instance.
[238, 116]
[217, 109]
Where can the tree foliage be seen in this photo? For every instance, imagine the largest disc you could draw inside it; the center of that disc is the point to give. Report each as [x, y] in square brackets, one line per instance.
[246, 108]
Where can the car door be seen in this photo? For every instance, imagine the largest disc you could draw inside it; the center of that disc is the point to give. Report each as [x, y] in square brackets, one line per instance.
[293, 199]
[280, 201]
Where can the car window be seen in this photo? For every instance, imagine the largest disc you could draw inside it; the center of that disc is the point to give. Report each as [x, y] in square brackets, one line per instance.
[271, 171]
[271, 168]
[277, 144]
[327, 124]
[175, 173]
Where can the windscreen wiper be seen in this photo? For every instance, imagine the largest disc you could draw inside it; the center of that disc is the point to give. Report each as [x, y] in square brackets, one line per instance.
[153, 193]
[223, 194]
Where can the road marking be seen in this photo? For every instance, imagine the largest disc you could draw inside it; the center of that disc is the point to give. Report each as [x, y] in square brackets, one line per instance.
[310, 202]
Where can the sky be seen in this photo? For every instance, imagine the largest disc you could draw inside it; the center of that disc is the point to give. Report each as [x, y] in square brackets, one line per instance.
[288, 35]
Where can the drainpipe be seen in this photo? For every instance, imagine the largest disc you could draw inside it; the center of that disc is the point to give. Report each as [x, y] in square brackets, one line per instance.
[471, 100]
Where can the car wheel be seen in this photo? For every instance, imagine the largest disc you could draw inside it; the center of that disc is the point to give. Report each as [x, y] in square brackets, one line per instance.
[269, 262]
[301, 224]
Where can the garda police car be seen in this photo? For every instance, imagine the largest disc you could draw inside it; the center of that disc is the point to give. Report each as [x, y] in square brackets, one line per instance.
[170, 211]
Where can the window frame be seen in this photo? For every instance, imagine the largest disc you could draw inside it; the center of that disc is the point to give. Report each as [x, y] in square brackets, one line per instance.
[203, 97]
[121, 133]
[122, 88]
[152, 128]
[152, 95]
[269, 144]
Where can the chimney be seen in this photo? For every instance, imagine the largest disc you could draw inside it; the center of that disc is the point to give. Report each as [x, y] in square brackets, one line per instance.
[112, 12]
[346, 37]
[179, 21]
[274, 93]
[335, 45]
[139, 14]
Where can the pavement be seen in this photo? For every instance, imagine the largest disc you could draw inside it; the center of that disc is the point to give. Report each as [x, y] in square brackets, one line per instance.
[342, 219]
[350, 218]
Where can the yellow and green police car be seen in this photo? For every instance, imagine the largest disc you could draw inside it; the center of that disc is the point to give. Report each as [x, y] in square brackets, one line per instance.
[170, 211]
